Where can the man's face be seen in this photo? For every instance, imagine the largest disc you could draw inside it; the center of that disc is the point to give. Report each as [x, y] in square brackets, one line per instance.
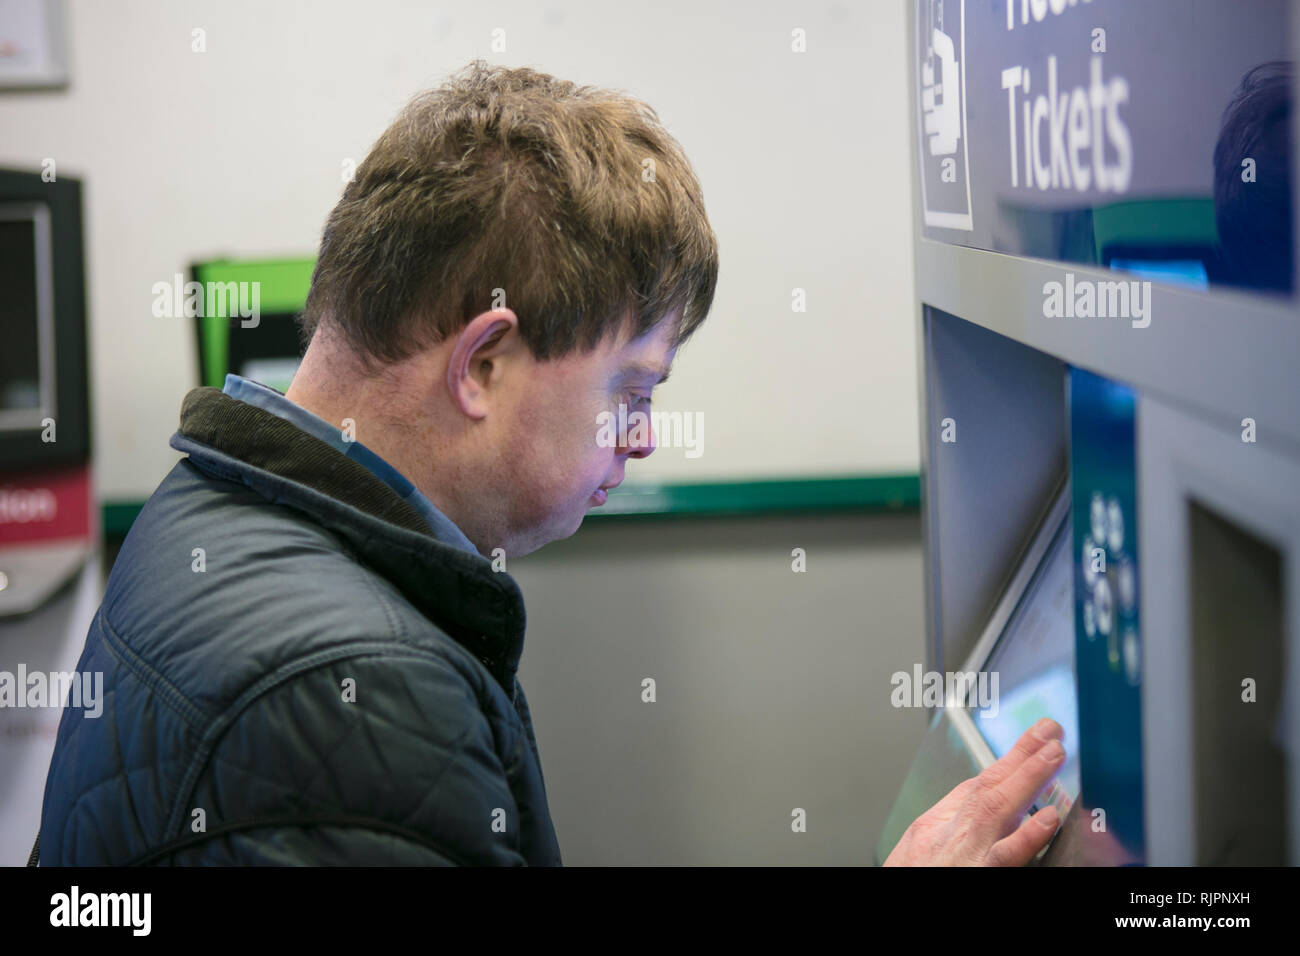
[556, 461]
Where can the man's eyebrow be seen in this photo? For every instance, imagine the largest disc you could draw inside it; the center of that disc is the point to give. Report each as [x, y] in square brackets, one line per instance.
[642, 370]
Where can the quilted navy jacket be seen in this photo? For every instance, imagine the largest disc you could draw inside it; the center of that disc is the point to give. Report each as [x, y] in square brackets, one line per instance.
[323, 683]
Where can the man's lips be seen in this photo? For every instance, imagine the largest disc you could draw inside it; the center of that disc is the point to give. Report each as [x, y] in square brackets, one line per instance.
[602, 493]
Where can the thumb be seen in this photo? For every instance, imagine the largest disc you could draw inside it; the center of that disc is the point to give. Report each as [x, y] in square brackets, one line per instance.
[1028, 839]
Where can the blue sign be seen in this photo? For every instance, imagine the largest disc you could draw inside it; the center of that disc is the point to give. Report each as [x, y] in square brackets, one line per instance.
[1108, 641]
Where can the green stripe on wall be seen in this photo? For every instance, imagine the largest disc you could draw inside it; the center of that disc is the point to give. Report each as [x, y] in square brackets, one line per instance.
[795, 495]
[874, 493]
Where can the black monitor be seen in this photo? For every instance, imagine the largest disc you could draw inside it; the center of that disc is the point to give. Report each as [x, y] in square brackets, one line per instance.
[43, 364]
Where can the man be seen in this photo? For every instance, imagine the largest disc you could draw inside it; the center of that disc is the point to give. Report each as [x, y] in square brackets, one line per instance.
[1252, 183]
[309, 655]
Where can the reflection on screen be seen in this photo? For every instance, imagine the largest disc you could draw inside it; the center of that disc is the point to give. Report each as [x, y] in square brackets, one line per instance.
[1189, 272]
[20, 355]
[1034, 661]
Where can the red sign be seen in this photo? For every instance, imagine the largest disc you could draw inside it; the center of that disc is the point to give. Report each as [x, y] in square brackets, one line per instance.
[45, 506]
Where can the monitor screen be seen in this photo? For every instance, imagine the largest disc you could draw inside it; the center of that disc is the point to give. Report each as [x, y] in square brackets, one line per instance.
[26, 373]
[1034, 661]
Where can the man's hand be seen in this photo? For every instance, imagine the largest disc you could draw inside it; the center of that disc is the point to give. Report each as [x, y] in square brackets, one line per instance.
[976, 824]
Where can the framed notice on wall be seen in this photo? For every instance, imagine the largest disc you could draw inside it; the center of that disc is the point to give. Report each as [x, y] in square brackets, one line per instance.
[33, 51]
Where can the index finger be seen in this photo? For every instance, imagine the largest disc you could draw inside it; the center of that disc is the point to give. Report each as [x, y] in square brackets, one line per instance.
[1030, 742]
[1018, 787]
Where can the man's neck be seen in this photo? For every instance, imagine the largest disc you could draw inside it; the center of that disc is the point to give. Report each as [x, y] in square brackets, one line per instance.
[383, 412]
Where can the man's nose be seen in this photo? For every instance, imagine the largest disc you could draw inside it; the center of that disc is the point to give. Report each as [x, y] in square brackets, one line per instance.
[638, 447]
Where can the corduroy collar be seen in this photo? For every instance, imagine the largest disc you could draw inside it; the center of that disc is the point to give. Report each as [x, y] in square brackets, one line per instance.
[481, 609]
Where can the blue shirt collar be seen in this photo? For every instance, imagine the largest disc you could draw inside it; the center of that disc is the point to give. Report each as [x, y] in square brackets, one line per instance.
[269, 400]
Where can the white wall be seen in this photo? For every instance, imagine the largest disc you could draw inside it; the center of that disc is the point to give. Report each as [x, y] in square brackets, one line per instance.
[772, 688]
[238, 151]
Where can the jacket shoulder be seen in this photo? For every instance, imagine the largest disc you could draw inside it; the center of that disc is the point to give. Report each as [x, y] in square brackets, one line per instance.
[216, 586]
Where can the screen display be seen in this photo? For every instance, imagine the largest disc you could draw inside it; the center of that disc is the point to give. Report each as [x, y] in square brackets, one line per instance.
[1034, 661]
[21, 403]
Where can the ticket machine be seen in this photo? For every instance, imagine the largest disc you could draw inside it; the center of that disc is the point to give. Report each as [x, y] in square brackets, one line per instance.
[50, 580]
[46, 513]
[1108, 332]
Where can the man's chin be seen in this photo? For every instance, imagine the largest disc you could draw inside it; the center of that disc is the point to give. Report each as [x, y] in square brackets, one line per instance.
[548, 536]
[575, 525]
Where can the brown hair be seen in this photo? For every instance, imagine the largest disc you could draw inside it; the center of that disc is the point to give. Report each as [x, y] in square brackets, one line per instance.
[573, 200]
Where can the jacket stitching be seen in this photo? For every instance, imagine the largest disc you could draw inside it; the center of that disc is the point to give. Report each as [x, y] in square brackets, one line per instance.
[517, 836]
[386, 606]
[149, 677]
[455, 746]
[285, 673]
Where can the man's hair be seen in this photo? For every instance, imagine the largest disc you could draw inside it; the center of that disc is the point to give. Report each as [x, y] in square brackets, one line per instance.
[573, 201]
[1254, 218]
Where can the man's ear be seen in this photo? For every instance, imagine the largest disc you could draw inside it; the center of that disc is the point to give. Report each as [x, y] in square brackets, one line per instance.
[476, 357]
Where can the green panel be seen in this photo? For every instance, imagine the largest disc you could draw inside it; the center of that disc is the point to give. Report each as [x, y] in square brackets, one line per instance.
[900, 493]
[283, 287]
[284, 282]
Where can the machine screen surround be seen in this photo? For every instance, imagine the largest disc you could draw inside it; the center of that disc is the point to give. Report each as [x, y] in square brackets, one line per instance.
[1034, 663]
